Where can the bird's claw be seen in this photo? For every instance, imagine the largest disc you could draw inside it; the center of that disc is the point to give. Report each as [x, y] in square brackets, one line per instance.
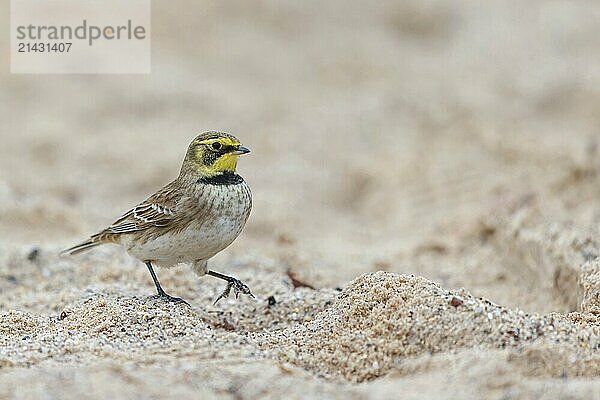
[225, 293]
[171, 299]
[237, 286]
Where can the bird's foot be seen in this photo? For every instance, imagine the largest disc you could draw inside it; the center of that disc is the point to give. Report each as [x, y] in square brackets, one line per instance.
[237, 286]
[171, 299]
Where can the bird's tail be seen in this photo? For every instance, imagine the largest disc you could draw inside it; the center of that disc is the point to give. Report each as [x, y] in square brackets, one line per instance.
[88, 244]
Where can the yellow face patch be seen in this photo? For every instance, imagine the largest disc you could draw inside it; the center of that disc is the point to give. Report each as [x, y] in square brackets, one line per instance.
[215, 155]
[227, 162]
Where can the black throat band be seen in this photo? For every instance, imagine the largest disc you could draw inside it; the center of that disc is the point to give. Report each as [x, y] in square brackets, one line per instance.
[224, 178]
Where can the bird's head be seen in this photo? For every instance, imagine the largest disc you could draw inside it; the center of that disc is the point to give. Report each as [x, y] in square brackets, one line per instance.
[212, 153]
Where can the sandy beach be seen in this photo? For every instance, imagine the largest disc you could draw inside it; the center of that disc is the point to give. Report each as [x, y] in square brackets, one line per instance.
[426, 220]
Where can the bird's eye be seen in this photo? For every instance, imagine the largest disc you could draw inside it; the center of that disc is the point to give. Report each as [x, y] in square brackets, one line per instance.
[216, 146]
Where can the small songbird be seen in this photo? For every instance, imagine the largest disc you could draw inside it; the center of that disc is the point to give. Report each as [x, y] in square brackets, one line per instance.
[191, 219]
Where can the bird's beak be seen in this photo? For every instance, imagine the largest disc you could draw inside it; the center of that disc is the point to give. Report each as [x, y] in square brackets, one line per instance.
[241, 150]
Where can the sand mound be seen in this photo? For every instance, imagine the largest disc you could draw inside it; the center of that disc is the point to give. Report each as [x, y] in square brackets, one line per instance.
[381, 325]
[113, 327]
[118, 317]
[14, 323]
[381, 318]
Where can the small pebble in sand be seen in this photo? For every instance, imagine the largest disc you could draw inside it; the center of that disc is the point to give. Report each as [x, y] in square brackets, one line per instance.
[33, 254]
[456, 302]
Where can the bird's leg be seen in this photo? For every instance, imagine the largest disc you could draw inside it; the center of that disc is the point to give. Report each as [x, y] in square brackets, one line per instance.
[161, 293]
[237, 285]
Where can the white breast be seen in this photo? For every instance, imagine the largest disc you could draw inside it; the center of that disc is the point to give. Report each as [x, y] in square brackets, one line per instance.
[228, 211]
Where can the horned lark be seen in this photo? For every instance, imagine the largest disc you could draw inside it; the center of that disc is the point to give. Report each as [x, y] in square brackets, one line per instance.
[192, 218]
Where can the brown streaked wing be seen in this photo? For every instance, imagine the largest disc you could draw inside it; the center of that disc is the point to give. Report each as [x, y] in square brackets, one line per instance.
[157, 211]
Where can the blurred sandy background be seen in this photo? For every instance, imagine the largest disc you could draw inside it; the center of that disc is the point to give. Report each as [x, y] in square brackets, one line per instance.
[452, 140]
